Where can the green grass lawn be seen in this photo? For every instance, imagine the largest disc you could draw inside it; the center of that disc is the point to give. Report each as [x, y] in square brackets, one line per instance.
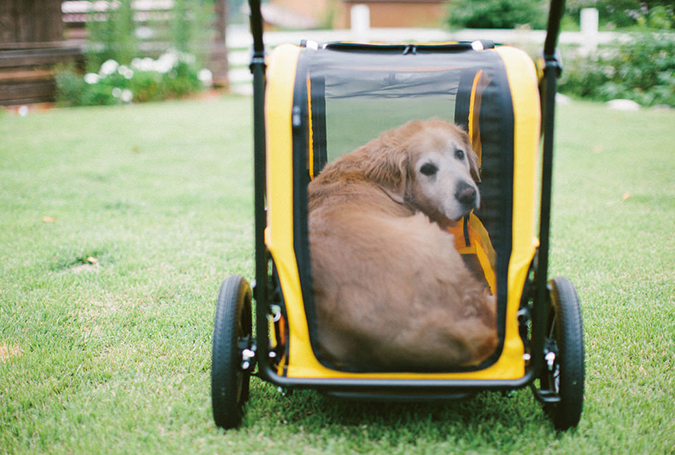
[117, 226]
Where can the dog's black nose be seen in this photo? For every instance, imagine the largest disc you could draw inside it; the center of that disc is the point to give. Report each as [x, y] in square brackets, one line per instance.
[466, 195]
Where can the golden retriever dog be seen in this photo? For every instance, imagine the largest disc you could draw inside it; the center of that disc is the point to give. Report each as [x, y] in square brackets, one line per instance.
[391, 293]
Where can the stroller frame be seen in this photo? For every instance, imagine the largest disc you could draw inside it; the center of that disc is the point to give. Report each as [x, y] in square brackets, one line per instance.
[537, 297]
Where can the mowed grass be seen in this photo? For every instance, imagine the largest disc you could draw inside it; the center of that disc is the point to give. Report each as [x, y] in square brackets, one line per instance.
[117, 226]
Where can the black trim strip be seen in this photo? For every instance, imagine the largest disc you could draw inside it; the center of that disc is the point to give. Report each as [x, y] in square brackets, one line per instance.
[467, 239]
[301, 179]
[408, 49]
[497, 140]
[319, 144]
[463, 98]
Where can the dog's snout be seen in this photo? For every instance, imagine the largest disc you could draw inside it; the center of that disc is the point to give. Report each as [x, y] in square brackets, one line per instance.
[467, 195]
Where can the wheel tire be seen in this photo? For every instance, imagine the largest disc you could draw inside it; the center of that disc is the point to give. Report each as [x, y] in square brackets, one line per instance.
[564, 331]
[233, 324]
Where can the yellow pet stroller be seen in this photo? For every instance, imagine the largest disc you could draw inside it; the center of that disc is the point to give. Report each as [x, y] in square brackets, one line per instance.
[314, 103]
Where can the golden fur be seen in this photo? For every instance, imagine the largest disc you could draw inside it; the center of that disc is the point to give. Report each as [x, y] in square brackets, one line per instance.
[391, 292]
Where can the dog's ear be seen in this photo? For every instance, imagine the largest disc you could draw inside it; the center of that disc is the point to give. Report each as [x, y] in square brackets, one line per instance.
[388, 166]
[473, 164]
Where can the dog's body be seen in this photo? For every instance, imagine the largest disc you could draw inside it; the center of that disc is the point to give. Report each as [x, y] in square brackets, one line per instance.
[391, 292]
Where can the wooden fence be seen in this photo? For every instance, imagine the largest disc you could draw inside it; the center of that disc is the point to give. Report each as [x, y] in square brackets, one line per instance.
[31, 43]
[37, 35]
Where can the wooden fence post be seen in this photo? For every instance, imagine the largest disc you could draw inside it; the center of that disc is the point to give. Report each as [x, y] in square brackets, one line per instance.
[218, 56]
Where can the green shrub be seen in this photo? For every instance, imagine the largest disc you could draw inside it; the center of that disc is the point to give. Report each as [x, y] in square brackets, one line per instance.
[641, 70]
[69, 85]
[653, 14]
[114, 38]
[661, 17]
[497, 13]
[116, 71]
[173, 75]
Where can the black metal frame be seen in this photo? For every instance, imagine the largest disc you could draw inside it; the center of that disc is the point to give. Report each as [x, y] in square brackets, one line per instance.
[540, 297]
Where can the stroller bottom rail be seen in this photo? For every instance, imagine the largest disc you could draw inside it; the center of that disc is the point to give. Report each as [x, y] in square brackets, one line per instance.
[437, 387]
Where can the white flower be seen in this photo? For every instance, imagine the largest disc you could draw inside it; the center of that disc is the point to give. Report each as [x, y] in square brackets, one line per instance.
[117, 92]
[127, 95]
[143, 64]
[163, 66]
[166, 62]
[91, 78]
[108, 67]
[148, 62]
[205, 75]
[138, 64]
[125, 71]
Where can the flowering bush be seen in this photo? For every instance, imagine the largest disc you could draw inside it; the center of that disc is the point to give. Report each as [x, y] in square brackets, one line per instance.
[173, 75]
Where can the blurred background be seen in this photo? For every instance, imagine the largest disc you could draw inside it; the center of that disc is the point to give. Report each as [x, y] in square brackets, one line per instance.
[102, 52]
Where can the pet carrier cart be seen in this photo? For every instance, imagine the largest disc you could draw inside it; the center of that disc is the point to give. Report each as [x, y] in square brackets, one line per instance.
[313, 103]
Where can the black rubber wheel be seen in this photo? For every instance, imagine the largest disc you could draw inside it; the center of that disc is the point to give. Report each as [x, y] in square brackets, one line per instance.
[231, 335]
[565, 339]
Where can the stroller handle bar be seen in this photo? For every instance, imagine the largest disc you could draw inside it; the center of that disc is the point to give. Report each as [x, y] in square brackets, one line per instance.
[552, 30]
[256, 22]
[553, 27]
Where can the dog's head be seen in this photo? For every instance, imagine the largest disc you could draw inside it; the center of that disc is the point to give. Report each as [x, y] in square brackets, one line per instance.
[430, 165]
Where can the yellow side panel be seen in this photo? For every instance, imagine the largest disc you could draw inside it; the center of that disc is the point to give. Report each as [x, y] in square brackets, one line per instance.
[279, 234]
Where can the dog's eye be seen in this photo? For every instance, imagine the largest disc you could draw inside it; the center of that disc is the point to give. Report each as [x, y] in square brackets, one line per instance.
[428, 169]
[459, 154]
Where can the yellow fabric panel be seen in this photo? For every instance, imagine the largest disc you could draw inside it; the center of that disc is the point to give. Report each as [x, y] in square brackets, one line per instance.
[480, 245]
[279, 233]
[484, 250]
[480, 81]
[310, 152]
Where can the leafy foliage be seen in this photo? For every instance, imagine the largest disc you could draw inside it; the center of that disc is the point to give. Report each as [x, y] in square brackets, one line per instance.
[655, 14]
[497, 13]
[119, 69]
[641, 70]
[113, 38]
[173, 75]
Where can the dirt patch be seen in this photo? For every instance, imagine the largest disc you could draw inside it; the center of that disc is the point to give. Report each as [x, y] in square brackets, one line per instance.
[84, 268]
[80, 263]
[9, 351]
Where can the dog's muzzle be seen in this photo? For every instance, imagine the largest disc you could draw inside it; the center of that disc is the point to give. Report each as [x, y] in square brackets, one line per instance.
[467, 196]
